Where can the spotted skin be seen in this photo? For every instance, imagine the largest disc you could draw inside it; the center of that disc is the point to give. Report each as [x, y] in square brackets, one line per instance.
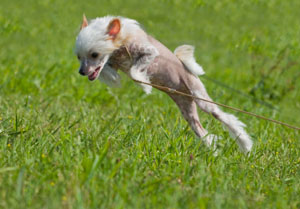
[162, 67]
[150, 61]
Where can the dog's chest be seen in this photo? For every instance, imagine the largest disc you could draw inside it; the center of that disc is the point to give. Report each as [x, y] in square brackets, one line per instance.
[121, 59]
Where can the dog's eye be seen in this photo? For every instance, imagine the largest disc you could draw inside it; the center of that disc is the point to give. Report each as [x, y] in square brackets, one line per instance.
[94, 54]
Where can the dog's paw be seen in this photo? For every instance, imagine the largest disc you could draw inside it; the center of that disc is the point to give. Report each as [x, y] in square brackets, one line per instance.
[211, 140]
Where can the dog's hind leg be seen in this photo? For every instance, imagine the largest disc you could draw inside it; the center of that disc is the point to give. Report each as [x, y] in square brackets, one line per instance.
[188, 109]
[235, 127]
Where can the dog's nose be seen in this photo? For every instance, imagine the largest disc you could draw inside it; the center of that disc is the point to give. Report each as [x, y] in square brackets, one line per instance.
[81, 72]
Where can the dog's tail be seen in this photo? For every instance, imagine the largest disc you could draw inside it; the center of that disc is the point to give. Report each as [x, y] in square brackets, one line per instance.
[185, 54]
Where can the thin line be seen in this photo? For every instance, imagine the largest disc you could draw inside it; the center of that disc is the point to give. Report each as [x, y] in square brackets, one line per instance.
[240, 92]
[170, 90]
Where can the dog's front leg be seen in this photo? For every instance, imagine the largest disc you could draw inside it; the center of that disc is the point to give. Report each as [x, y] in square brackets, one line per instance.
[143, 55]
[110, 76]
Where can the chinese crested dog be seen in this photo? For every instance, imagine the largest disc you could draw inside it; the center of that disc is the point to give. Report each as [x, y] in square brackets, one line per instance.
[108, 44]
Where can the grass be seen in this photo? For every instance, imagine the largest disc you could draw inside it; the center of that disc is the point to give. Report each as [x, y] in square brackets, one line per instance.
[69, 143]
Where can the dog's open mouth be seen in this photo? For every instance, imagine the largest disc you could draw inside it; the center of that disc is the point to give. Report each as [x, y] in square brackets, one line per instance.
[95, 74]
[92, 76]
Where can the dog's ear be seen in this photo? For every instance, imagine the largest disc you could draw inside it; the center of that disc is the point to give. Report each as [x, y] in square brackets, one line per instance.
[84, 22]
[114, 27]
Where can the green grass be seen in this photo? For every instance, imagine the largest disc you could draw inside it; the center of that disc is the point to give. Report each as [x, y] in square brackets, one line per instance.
[68, 143]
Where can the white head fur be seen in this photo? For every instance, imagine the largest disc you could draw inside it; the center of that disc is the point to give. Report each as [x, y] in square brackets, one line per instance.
[98, 39]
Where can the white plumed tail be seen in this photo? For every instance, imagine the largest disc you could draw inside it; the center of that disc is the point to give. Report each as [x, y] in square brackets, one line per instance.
[185, 54]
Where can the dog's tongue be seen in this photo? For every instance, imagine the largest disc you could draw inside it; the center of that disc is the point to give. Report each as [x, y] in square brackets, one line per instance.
[93, 75]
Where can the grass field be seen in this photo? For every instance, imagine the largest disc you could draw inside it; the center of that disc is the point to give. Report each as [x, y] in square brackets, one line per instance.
[66, 142]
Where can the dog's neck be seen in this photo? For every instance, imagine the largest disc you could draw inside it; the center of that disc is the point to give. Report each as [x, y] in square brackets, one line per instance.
[121, 59]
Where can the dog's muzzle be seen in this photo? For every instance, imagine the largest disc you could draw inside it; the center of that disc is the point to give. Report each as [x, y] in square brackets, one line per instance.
[85, 69]
[81, 72]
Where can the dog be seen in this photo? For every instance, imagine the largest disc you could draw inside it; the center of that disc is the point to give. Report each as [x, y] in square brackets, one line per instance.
[111, 43]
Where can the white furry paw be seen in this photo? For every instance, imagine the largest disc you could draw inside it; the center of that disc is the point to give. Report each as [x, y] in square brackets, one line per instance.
[245, 143]
[211, 140]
